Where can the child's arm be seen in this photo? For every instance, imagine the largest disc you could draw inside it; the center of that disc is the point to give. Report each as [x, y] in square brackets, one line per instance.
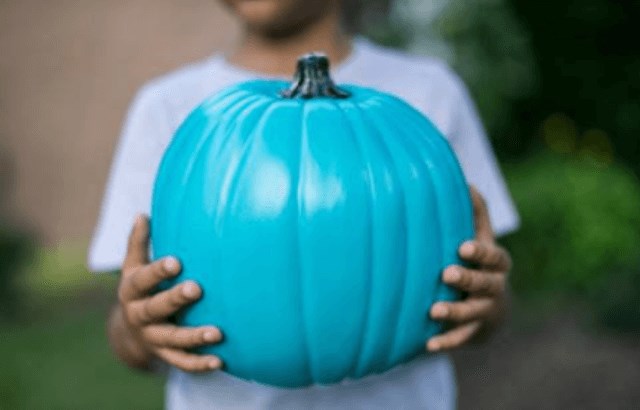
[138, 327]
[486, 286]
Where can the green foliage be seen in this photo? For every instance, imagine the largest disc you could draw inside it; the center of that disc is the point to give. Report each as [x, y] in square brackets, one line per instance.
[485, 43]
[588, 56]
[15, 250]
[54, 354]
[580, 219]
[525, 61]
[65, 363]
[616, 297]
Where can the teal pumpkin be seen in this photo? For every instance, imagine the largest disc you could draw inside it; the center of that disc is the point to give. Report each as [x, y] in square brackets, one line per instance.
[317, 221]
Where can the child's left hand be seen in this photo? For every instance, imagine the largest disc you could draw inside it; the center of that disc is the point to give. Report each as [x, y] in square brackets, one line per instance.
[485, 284]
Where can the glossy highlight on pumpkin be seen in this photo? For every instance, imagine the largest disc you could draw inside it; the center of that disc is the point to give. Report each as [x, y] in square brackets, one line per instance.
[318, 229]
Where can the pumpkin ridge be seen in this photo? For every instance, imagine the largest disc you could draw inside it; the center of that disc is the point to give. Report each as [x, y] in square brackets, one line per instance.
[197, 156]
[176, 144]
[240, 104]
[231, 187]
[451, 169]
[179, 141]
[378, 138]
[357, 365]
[303, 152]
[402, 195]
[438, 225]
[182, 231]
[424, 161]
[185, 177]
[419, 122]
[229, 169]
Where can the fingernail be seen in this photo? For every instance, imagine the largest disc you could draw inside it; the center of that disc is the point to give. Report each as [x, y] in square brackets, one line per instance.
[209, 336]
[171, 264]
[440, 311]
[452, 275]
[467, 248]
[190, 290]
[215, 363]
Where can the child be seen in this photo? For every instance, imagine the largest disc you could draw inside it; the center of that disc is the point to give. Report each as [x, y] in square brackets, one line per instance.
[275, 33]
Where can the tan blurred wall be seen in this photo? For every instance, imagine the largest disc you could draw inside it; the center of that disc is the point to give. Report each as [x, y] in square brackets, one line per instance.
[68, 70]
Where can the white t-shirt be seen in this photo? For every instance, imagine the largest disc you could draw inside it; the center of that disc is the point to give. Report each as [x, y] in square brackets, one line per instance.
[156, 113]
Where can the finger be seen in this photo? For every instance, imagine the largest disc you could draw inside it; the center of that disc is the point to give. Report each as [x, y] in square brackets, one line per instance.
[189, 362]
[140, 282]
[453, 338]
[181, 337]
[486, 254]
[465, 311]
[159, 307]
[481, 216]
[474, 281]
[138, 245]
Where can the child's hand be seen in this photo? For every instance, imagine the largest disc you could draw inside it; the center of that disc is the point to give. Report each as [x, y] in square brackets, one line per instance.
[144, 316]
[486, 286]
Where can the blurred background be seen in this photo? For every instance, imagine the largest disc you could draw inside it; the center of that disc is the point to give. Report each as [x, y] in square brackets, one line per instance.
[558, 87]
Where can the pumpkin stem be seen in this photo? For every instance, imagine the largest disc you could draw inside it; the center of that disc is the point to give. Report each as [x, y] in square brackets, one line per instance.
[312, 79]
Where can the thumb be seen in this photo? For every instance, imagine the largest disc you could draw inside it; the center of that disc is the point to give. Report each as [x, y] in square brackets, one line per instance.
[138, 245]
[484, 232]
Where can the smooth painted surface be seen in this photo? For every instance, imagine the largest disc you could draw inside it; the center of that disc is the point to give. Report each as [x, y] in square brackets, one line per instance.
[318, 229]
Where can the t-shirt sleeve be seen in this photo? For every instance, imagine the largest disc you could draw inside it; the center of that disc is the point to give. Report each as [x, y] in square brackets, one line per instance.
[470, 143]
[130, 182]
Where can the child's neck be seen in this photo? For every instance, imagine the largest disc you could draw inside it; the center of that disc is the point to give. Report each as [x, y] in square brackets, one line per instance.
[277, 56]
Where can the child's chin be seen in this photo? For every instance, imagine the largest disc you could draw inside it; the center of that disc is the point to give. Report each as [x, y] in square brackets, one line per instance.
[277, 17]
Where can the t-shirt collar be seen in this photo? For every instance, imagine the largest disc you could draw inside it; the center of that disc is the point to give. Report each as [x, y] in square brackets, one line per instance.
[359, 44]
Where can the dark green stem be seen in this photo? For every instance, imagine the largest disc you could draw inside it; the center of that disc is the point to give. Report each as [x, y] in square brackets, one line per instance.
[312, 79]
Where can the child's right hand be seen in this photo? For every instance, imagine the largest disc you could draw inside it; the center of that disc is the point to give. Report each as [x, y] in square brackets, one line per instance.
[139, 325]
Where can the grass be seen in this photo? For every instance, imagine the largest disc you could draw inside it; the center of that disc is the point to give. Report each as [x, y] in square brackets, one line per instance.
[55, 354]
[65, 363]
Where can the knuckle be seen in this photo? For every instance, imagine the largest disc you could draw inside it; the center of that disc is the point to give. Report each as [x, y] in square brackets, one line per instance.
[203, 364]
[122, 295]
[500, 286]
[481, 250]
[457, 311]
[192, 364]
[124, 289]
[453, 342]
[197, 337]
[449, 342]
[133, 283]
[159, 271]
[485, 308]
[176, 298]
[128, 270]
[130, 316]
[149, 334]
[498, 256]
[483, 284]
[492, 257]
[183, 338]
[466, 312]
[173, 337]
[144, 312]
[466, 279]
